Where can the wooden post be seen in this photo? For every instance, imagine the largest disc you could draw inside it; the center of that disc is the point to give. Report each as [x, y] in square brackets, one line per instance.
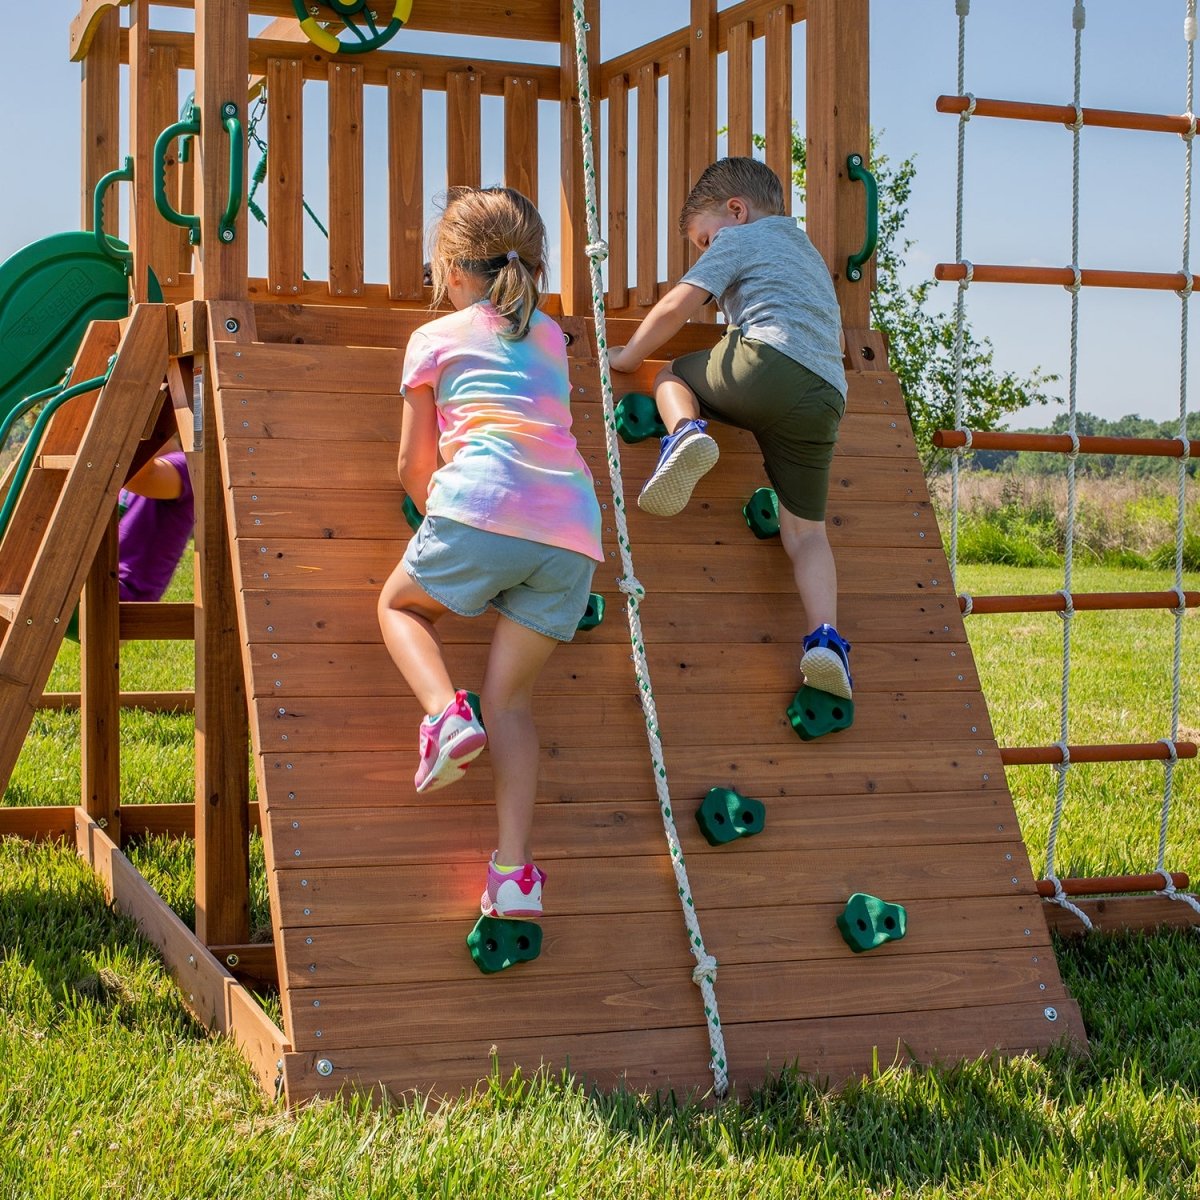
[838, 126]
[141, 142]
[100, 682]
[576, 286]
[222, 738]
[702, 89]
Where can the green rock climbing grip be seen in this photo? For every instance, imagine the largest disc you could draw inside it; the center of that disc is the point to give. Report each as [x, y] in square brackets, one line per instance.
[725, 815]
[814, 713]
[867, 922]
[593, 614]
[636, 417]
[762, 513]
[496, 944]
[411, 515]
[476, 707]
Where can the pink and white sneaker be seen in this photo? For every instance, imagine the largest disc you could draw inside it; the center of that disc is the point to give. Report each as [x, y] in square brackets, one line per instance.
[516, 894]
[448, 744]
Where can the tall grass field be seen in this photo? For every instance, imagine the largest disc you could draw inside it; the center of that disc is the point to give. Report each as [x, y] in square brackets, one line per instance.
[108, 1089]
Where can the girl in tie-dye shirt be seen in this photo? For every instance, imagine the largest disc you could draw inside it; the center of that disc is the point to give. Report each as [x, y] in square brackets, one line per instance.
[511, 517]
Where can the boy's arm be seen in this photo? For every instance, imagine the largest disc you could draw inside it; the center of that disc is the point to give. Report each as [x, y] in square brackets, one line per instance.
[662, 322]
[417, 459]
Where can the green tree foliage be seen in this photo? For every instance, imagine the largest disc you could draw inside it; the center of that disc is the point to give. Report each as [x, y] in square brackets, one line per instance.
[920, 340]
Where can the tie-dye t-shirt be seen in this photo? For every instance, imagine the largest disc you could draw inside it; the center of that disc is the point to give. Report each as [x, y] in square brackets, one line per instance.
[511, 464]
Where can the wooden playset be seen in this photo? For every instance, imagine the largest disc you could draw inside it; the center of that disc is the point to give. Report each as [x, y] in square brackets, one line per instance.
[284, 389]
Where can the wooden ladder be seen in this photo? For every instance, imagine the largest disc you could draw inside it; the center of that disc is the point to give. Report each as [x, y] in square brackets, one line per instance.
[66, 505]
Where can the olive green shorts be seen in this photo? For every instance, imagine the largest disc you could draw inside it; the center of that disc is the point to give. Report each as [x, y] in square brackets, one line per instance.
[793, 414]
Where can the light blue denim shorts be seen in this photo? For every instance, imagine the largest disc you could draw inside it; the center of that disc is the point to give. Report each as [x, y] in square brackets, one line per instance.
[544, 588]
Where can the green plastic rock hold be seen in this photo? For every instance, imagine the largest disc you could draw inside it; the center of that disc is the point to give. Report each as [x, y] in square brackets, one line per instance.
[725, 815]
[762, 513]
[411, 515]
[593, 614]
[476, 707]
[867, 922]
[814, 713]
[636, 417]
[496, 944]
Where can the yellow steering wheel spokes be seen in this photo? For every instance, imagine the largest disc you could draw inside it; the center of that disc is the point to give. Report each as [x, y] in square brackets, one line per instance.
[360, 19]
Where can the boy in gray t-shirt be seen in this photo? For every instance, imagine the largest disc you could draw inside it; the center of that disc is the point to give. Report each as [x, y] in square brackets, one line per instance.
[777, 372]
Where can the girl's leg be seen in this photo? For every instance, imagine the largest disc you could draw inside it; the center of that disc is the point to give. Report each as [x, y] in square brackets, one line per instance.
[517, 657]
[407, 614]
[807, 545]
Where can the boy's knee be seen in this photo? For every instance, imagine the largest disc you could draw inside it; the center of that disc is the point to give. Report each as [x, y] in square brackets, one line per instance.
[796, 532]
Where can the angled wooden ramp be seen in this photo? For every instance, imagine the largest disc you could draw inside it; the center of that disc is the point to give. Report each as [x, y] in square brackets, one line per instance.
[66, 505]
[374, 888]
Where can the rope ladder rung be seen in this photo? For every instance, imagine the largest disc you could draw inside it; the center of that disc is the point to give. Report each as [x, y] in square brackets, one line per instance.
[1111, 885]
[1064, 114]
[1061, 443]
[1153, 281]
[1080, 602]
[1025, 756]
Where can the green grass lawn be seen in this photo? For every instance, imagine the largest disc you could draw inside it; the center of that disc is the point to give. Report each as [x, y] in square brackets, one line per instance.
[108, 1089]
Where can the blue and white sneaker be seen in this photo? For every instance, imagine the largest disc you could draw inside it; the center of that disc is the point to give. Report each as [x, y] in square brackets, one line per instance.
[826, 662]
[685, 457]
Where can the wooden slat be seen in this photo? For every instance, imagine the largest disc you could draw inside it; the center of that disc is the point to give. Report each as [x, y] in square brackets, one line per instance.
[679, 118]
[779, 97]
[570, 775]
[283, 669]
[406, 177]
[831, 1049]
[285, 167]
[168, 252]
[343, 614]
[665, 999]
[702, 89]
[143, 129]
[464, 154]
[646, 187]
[345, 180]
[741, 90]
[414, 835]
[618, 192]
[51, 823]
[575, 271]
[521, 135]
[310, 368]
[100, 114]
[603, 885]
[356, 955]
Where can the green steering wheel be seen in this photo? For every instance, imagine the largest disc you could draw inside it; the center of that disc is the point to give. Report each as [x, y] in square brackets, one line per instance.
[358, 18]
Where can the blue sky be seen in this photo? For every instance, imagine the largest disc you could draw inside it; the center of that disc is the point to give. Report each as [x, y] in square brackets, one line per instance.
[1018, 183]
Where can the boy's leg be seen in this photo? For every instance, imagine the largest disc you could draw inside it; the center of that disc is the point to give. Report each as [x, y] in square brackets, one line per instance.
[807, 546]
[687, 453]
[407, 615]
[515, 661]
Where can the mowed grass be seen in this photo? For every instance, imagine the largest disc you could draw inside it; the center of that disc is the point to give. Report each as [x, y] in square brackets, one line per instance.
[109, 1089]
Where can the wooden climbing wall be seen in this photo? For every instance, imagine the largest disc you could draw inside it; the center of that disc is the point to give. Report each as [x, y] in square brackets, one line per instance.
[374, 888]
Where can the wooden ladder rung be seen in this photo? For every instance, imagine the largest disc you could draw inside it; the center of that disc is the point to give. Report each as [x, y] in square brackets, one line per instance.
[8, 606]
[55, 462]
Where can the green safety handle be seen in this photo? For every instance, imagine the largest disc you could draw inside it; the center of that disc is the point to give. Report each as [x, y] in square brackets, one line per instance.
[859, 173]
[34, 442]
[227, 230]
[124, 175]
[188, 221]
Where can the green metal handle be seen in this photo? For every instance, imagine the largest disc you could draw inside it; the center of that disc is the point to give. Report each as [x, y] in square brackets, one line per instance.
[34, 441]
[227, 230]
[188, 221]
[859, 173]
[124, 175]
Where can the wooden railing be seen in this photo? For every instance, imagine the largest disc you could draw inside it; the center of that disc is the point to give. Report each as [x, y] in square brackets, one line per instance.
[645, 183]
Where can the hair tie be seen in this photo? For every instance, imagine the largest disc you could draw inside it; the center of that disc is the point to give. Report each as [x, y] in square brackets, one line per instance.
[512, 254]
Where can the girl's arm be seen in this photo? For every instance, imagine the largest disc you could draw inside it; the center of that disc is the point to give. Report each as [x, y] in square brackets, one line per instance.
[418, 458]
[663, 321]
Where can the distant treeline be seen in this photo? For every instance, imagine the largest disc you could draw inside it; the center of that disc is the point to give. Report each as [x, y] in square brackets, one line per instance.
[1093, 466]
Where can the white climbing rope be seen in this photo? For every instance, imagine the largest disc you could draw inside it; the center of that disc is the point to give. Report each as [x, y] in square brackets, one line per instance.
[705, 972]
[1169, 890]
[1078, 20]
[963, 9]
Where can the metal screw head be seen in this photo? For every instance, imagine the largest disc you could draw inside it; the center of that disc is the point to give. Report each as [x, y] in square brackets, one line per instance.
[324, 1067]
[232, 960]
[231, 325]
[227, 235]
[229, 110]
[1051, 1014]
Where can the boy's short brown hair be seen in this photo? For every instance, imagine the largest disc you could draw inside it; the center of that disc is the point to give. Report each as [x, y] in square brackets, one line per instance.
[729, 177]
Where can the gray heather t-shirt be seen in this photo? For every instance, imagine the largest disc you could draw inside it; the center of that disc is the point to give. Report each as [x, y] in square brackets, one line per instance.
[771, 282]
